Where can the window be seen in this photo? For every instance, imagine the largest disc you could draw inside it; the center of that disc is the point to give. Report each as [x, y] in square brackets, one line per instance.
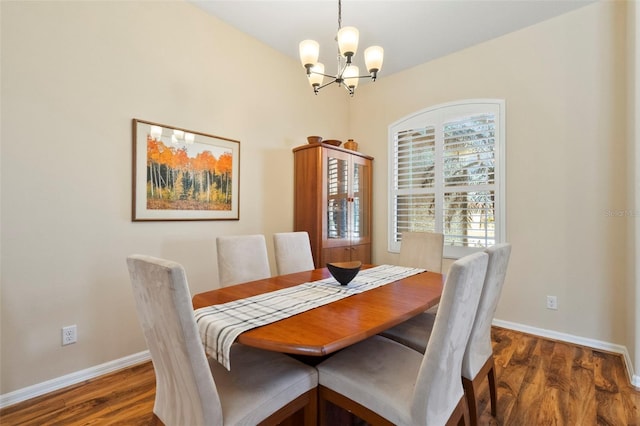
[447, 175]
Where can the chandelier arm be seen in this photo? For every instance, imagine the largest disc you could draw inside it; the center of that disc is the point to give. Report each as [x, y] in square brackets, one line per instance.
[325, 75]
[327, 84]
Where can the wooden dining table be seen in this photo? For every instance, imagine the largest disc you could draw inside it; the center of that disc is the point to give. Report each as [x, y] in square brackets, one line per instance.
[329, 328]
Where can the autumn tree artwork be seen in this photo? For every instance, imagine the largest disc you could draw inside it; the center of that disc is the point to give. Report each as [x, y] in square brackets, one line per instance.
[183, 175]
[176, 181]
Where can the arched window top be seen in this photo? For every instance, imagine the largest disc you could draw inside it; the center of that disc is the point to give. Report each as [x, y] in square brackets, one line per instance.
[447, 175]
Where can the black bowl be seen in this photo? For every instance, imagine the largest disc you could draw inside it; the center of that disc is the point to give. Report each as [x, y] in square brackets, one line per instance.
[344, 272]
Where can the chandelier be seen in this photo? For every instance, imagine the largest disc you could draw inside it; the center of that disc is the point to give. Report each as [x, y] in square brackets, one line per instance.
[348, 74]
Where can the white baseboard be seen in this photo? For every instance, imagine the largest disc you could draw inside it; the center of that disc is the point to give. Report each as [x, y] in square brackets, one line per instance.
[72, 379]
[583, 341]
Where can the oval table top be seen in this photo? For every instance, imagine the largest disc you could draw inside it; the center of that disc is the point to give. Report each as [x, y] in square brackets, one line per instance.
[329, 328]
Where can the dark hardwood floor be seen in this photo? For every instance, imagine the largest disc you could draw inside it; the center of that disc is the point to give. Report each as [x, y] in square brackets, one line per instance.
[540, 382]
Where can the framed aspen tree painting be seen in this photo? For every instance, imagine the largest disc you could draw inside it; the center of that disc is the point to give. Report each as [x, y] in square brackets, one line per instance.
[180, 174]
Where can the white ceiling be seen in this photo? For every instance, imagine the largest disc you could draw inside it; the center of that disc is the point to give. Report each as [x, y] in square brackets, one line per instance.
[411, 31]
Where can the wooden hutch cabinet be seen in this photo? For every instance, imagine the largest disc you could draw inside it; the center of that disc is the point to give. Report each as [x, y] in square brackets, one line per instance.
[332, 202]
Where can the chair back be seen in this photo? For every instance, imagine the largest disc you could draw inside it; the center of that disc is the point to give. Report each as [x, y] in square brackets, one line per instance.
[422, 250]
[293, 252]
[479, 347]
[242, 258]
[438, 387]
[185, 390]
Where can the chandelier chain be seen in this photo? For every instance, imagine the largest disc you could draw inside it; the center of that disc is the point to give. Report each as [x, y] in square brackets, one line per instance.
[336, 38]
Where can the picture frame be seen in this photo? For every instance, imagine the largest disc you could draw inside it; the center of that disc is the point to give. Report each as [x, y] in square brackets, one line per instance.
[181, 174]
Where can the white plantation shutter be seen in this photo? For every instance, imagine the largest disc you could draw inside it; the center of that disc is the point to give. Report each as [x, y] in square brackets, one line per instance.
[446, 169]
[468, 158]
[414, 172]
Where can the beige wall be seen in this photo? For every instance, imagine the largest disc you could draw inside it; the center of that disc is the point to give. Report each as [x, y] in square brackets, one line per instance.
[74, 74]
[564, 83]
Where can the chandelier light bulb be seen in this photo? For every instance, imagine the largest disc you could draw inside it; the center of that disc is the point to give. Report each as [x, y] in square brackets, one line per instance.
[348, 41]
[351, 76]
[309, 52]
[373, 57]
[317, 75]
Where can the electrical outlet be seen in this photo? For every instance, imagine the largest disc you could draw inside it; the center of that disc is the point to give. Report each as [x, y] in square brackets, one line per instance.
[552, 302]
[69, 335]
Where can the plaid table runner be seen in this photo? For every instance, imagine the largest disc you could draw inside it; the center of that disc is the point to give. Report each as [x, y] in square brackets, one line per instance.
[220, 325]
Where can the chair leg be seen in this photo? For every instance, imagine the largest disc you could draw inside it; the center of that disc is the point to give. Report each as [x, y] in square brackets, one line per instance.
[492, 389]
[471, 387]
[470, 396]
[311, 409]
[322, 410]
[466, 416]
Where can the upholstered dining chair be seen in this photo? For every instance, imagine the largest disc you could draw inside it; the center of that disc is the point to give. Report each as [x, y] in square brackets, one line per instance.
[242, 258]
[478, 358]
[422, 250]
[419, 250]
[192, 389]
[384, 382]
[293, 252]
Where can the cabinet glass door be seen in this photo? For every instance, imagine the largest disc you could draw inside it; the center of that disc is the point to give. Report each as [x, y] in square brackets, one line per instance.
[337, 198]
[361, 203]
